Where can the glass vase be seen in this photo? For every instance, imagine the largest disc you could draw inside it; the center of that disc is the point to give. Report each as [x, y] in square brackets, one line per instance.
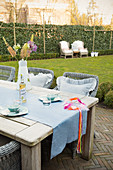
[23, 70]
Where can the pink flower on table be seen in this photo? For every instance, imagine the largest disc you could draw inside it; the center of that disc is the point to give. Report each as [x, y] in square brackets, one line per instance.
[32, 46]
[28, 48]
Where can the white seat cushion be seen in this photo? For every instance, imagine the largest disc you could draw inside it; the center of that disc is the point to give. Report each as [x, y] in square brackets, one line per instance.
[84, 50]
[68, 51]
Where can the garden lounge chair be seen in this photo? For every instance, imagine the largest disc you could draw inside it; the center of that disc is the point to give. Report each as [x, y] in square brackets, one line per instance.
[64, 49]
[79, 83]
[7, 73]
[41, 77]
[79, 46]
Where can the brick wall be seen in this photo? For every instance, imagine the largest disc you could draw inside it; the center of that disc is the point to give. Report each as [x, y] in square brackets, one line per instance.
[37, 11]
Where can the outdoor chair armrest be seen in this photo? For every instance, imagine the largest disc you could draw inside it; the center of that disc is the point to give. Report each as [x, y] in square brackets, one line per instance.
[7, 73]
[9, 148]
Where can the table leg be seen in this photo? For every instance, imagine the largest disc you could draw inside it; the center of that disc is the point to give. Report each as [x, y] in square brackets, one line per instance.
[89, 136]
[31, 157]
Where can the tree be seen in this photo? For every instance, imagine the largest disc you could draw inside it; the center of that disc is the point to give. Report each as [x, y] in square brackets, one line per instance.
[75, 15]
[92, 13]
[101, 21]
[92, 18]
[84, 19]
[111, 24]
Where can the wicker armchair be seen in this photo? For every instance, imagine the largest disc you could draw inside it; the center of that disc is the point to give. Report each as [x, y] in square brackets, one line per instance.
[10, 158]
[83, 76]
[7, 73]
[74, 75]
[35, 71]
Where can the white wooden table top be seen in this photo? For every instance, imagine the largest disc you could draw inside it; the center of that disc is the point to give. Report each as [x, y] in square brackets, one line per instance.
[27, 131]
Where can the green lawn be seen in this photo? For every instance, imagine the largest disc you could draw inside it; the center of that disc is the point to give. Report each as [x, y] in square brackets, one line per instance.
[101, 66]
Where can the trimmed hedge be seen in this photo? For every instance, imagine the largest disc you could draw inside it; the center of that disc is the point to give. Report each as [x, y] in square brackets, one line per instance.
[103, 52]
[54, 34]
[33, 56]
[39, 56]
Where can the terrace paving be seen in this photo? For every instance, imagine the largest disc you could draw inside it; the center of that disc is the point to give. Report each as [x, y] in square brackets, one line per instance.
[102, 157]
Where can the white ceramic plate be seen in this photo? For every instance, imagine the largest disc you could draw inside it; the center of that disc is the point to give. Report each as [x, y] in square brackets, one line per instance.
[22, 111]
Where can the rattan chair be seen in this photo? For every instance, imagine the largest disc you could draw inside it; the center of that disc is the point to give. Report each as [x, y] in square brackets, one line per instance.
[10, 154]
[74, 75]
[35, 71]
[7, 73]
[84, 76]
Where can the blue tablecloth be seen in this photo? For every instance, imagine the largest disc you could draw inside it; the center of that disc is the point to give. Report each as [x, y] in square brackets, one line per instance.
[65, 123]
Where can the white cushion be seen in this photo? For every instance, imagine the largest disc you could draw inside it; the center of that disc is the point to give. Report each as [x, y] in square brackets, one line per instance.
[78, 44]
[75, 50]
[40, 79]
[84, 50]
[83, 86]
[64, 44]
[68, 51]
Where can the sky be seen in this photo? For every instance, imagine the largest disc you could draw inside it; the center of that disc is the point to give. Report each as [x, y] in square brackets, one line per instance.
[105, 8]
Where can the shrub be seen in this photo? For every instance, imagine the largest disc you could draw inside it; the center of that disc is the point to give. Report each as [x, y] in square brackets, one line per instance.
[108, 100]
[100, 94]
[54, 83]
[102, 52]
[103, 90]
[34, 56]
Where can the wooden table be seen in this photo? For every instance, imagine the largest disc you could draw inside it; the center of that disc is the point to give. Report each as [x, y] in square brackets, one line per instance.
[76, 54]
[30, 133]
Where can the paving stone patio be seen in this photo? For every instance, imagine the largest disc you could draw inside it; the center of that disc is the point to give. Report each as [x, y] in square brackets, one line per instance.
[102, 157]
